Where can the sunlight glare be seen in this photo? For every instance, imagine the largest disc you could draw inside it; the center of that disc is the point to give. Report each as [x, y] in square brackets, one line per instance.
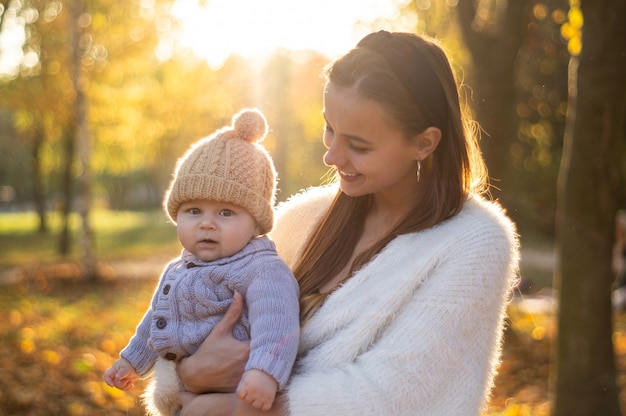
[12, 39]
[256, 28]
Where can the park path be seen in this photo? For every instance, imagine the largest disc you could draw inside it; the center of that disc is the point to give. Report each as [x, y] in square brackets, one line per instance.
[151, 268]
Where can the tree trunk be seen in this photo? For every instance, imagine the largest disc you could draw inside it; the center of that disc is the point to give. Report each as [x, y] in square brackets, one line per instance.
[4, 5]
[67, 189]
[585, 373]
[39, 194]
[83, 141]
[494, 41]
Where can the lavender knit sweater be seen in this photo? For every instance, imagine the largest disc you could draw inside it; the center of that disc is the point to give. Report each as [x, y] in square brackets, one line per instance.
[192, 296]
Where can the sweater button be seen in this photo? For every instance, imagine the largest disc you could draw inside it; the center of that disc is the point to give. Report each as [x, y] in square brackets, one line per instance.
[170, 356]
[161, 323]
[166, 289]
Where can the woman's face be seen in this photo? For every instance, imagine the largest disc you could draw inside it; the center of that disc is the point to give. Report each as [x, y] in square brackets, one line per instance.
[370, 154]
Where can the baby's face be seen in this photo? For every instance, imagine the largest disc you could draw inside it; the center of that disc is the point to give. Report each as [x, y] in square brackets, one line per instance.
[212, 230]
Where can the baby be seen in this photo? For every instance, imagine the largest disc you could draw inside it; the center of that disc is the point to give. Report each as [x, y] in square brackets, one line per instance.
[221, 199]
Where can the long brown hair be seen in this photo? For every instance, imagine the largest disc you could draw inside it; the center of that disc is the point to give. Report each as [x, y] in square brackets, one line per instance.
[449, 175]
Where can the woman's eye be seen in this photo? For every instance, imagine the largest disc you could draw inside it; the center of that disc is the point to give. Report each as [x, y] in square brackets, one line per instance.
[358, 149]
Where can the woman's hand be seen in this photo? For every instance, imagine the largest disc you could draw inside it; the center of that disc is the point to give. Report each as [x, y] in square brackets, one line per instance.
[220, 361]
[220, 404]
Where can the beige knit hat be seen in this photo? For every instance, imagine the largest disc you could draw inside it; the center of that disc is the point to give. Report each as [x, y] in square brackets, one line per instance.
[228, 166]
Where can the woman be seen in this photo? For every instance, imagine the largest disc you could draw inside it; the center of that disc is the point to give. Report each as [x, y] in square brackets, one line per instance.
[404, 268]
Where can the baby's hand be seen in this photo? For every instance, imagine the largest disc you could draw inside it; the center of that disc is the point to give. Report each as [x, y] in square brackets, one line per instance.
[257, 388]
[121, 375]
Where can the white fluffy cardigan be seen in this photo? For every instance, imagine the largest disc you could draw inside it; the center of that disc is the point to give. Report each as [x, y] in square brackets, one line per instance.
[415, 332]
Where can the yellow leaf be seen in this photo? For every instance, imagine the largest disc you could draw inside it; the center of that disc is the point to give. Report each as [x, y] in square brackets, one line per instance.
[575, 17]
[51, 357]
[575, 46]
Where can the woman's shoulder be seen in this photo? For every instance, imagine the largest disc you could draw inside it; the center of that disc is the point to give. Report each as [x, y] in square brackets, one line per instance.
[483, 223]
[483, 211]
[296, 218]
[304, 207]
[312, 197]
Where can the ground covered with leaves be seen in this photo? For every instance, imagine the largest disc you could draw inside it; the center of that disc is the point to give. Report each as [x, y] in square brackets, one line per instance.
[60, 333]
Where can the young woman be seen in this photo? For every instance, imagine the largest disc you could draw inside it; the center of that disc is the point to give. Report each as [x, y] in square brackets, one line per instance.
[404, 267]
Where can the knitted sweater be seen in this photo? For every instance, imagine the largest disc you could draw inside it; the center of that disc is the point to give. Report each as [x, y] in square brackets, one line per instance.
[416, 331]
[192, 296]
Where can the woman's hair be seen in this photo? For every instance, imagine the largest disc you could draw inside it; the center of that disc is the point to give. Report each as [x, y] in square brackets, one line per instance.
[411, 78]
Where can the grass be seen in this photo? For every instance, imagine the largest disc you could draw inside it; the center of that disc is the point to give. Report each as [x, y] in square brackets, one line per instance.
[119, 235]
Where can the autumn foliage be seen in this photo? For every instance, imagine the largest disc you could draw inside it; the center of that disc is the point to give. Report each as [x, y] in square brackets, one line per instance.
[60, 333]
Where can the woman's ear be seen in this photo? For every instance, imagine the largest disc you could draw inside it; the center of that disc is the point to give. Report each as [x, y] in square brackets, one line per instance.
[426, 142]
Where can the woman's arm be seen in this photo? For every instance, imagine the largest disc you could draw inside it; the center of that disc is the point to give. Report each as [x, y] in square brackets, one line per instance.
[218, 364]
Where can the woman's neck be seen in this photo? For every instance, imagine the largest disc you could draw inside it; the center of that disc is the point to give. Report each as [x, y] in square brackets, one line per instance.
[381, 219]
[386, 211]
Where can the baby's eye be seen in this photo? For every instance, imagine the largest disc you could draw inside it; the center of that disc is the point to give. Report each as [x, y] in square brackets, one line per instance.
[226, 213]
[194, 211]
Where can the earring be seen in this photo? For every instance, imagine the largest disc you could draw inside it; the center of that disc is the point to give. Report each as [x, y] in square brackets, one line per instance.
[419, 170]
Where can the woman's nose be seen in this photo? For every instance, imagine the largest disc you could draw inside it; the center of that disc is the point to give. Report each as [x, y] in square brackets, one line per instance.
[332, 157]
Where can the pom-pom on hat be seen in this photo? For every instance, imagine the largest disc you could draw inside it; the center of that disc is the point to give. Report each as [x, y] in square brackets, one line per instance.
[228, 166]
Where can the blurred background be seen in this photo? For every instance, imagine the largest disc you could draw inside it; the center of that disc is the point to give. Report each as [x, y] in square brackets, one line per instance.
[99, 98]
[124, 91]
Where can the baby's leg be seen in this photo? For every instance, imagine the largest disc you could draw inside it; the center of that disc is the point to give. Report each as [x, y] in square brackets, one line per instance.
[160, 395]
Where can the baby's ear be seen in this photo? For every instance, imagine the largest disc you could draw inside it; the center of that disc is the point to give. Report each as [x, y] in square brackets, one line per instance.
[426, 142]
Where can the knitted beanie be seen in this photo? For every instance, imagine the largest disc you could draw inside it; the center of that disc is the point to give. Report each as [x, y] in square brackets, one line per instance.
[228, 166]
